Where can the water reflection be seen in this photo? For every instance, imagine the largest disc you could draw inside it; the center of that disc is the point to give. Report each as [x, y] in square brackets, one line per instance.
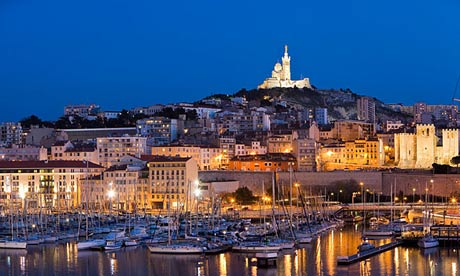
[317, 258]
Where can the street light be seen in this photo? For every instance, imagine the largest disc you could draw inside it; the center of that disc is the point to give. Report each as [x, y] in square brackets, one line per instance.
[111, 194]
[413, 195]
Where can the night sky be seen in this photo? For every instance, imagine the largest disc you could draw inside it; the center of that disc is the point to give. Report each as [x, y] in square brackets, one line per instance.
[123, 54]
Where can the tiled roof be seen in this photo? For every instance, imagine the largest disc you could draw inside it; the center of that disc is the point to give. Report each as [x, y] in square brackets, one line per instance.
[266, 157]
[46, 164]
[163, 158]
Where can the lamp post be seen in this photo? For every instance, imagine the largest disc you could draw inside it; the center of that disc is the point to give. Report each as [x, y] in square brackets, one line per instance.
[339, 195]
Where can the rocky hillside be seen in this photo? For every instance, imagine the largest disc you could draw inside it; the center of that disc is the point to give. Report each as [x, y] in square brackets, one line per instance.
[341, 104]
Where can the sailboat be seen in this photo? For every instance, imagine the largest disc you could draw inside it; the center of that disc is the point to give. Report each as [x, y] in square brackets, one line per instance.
[365, 245]
[428, 241]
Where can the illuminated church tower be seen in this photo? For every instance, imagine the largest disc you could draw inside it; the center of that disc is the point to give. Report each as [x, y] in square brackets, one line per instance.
[281, 75]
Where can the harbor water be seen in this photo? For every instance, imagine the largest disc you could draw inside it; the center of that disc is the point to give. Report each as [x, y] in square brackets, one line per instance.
[317, 258]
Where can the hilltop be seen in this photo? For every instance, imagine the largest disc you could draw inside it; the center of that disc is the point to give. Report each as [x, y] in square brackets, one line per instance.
[341, 104]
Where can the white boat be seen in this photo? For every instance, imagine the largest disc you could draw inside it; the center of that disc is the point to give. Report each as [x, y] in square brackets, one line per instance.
[132, 242]
[113, 245]
[175, 249]
[379, 232]
[89, 244]
[13, 244]
[427, 242]
[254, 247]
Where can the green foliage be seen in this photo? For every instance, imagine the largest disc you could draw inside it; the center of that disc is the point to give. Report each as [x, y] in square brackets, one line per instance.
[244, 196]
[34, 120]
[348, 187]
[171, 113]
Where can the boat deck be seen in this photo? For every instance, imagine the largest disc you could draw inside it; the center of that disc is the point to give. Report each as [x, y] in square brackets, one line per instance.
[346, 260]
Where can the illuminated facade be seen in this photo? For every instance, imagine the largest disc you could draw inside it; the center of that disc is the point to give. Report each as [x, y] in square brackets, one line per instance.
[358, 154]
[281, 75]
[172, 182]
[111, 149]
[421, 149]
[48, 184]
[273, 162]
[207, 158]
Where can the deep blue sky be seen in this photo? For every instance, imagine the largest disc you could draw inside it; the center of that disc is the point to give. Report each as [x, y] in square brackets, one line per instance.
[122, 54]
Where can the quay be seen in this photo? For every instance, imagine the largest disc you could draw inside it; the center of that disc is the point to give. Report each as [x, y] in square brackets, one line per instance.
[346, 260]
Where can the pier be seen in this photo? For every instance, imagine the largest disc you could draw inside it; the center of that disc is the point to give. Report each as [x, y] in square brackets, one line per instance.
[346, 260]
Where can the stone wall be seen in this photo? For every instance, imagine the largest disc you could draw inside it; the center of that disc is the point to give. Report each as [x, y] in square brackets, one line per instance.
[442, 185]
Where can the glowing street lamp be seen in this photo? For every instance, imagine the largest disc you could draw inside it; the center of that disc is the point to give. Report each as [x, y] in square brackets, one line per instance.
[111, 194]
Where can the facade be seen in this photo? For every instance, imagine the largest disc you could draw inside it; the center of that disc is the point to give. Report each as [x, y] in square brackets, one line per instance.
[23, 153]
[352, 155]
[111, 149]
[419, 109]
[281, 143]
[281, 75]
[348, 130]
[82, 110]
[421, 149]
[48, 184]
[243, 121]
[150, 110]
[274, 162]
[321, 116]
[66, 150]
[305, 150]
[366, 109]
[10, 133]
[228, 148]
[160, 130]
[207, 158]
[173, 181]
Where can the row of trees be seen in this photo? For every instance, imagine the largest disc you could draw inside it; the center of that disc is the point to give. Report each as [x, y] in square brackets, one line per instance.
[124, 119]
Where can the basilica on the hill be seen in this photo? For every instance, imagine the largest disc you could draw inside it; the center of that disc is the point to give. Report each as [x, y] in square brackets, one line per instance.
[281, 75]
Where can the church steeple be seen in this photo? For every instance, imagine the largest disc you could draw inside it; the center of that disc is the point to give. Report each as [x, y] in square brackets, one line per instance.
[286, 64]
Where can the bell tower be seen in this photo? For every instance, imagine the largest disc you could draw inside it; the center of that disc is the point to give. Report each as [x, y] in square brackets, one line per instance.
[286, 59]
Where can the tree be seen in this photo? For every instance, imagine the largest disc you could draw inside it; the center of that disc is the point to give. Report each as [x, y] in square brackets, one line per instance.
[456, 161]
[244, 196]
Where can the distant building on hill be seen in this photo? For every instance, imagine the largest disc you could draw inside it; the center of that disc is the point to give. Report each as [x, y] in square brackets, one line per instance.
[281, 75]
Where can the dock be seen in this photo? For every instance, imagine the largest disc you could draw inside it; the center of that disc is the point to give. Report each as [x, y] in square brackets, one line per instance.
[267, 259]
[346, 260]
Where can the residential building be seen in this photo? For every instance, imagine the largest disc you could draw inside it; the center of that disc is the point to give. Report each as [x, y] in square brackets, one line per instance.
[366, 109]
[23, 153]
[111, 149]
[48, 184]
[160, 130]
[173, 182]
[10, 133]
[82, 110]
[305, 150]
[274, 162]
[321, 116]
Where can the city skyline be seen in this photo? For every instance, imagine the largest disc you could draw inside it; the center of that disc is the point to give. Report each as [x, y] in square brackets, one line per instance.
[54, 54]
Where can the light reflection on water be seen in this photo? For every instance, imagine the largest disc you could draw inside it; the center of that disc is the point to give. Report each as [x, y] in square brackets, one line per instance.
[318, 258]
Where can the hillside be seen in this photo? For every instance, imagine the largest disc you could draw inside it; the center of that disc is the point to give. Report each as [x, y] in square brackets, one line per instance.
[341, 104]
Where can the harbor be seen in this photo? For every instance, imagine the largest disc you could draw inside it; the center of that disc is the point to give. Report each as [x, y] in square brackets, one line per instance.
[317, 258]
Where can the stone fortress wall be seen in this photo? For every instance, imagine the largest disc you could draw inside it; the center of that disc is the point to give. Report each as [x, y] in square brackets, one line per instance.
[379, 182]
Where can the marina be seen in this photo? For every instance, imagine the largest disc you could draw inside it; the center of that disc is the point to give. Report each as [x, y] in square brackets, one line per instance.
[317, 258]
